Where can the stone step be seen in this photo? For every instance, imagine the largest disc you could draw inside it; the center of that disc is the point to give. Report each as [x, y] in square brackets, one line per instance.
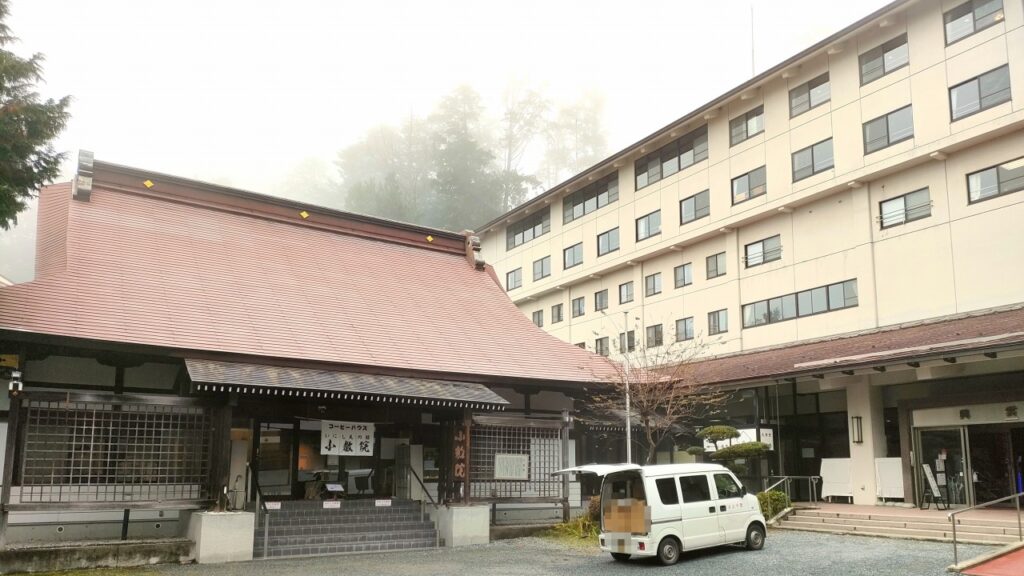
[906, 522]
[870, 530]
[318, 529]
[352, 503]
[347, 548]
[351, 519]
[345, 538]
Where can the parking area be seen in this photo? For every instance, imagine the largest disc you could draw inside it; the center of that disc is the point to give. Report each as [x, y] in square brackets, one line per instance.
[785, 553]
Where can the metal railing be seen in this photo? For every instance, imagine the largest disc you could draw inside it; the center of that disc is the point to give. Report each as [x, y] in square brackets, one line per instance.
[261, 507]
[953, 520]
[437, 534]
[812, 485]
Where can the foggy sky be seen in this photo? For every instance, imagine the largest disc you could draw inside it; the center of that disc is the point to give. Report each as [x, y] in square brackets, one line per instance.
[240, 92]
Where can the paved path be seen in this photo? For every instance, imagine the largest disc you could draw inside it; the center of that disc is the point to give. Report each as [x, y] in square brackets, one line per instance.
[1011, 564]
[785, 553]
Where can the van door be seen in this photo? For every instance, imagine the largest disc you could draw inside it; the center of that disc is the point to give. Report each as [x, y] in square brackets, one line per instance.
[699, 514]
[732, 510]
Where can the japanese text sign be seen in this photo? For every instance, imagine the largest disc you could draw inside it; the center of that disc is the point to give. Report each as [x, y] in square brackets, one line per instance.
[346, 438]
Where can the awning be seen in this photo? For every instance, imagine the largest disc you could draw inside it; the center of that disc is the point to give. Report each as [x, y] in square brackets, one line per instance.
[215, 376]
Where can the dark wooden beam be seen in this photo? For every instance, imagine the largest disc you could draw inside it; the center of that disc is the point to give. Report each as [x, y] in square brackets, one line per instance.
[879, 368]
[818, 376]
[914, 364]
[848, 372]
[950, 359]
[992, 355]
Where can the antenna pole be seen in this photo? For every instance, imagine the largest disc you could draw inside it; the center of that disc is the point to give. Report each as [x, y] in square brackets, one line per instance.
[752, 70]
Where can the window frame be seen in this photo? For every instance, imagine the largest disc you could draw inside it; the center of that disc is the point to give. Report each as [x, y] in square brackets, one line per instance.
[883, 49]
[677, 146]
[814, 162]
[796, 299]
[627, 341]
[999, 183]
[556, 318]
[694, 198]
[607, 186]
[688, 321]
[544, 224]
[608, 233]
[518, 272]
[601, 346]
[732, 185]
[718, 314]
[580, 310]
[632, 292]
[565, 253]
[544, 274]
[889, 142]
[981, 107]
[746, 118]
[658, 333]
[601, 296]
[707, 261]
[777, 252]
[655, 279]
[538, 318]
[974, 20]
[645, 217]
[906, 211]
[806, 86]
[687, 269]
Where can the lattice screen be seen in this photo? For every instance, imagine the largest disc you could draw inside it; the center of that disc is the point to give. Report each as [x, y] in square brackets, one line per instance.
[543, 447]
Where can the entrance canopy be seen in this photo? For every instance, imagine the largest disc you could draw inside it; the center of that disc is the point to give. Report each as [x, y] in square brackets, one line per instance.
[212, 375]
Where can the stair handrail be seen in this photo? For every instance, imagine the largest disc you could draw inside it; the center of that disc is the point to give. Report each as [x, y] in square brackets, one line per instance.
[437, 535]
[261, 507]
[812, 484]
[953, 520]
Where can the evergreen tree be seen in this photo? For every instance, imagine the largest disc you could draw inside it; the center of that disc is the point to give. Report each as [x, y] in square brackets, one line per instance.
[28, 125]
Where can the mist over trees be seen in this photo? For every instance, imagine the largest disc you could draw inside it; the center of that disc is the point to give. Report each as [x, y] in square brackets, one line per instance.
[460, 166]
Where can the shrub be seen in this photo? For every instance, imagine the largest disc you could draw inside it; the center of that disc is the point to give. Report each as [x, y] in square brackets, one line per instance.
[772, 502]
[716, 434]
[578, 527]
[594, 509]
[736, 451]
[695, 450]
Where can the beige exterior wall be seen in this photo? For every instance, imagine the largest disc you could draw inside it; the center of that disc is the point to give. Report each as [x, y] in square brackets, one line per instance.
[963, 257]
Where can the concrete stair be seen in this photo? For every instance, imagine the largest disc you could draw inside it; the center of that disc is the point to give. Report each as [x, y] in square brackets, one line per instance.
[306, 528]
[892, 524]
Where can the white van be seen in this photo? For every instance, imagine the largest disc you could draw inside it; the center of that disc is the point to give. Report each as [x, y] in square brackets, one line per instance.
[666, 509]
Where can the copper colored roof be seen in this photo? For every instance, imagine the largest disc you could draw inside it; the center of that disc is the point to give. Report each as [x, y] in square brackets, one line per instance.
[132, 266]
[976, 333]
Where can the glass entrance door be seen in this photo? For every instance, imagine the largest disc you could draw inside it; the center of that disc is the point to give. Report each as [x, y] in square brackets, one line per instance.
[942, 464]
[276, 458]
[992, 470]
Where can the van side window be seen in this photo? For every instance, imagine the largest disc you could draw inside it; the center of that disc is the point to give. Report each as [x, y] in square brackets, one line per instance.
[694, 488]
[727, 487]
[667, 491]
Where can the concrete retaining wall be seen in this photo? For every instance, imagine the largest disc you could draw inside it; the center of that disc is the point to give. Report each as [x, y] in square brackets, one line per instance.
[70, 556]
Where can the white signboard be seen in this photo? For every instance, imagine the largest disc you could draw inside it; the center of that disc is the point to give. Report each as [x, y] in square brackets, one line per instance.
[931, 480]
[273, 505]
[382, 503]
[511, 467]
[332, 503]
[768, 437]
[346, 438]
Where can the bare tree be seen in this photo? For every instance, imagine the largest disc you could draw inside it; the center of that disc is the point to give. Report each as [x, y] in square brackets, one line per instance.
[665, 396]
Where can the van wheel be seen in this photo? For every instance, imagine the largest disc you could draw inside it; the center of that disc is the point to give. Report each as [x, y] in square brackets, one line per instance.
[620, 557]
[668, 551]
[755, 537]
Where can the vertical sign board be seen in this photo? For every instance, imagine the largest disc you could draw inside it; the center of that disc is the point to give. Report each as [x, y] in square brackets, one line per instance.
[460, 451]
[931, 481]
[346, 438]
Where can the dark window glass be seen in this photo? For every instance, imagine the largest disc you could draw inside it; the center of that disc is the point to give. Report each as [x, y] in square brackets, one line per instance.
[649, 225]
[667, 490]
[684, 329]
[579, 307]
[601, 346]
[971, 17]
[593, 197]
[542, 268]
[822, 299]
[527, 229]
[809, 95]
[608, 242]
[727, 487]
[514, 279]
[652, 284]
[716, 265]
[538, 318]
[625, 292]
[627, 341]
[718, 322]
[762, 251]
[672, 157]
[694, 488]
[812, 160]
[887, 130]
[684, 275]
[600, 300]
[654, 336]
[746, 125]
[573, 255]
[695, 207]
[980, 93]
[556, 313]
[884, 59]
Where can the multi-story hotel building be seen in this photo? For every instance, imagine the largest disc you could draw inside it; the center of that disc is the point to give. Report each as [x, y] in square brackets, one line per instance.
[842, 235]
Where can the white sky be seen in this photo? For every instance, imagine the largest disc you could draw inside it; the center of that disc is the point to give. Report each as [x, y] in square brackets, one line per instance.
[239, 92]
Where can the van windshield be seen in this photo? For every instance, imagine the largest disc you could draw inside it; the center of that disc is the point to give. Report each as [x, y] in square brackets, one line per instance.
[624, 504]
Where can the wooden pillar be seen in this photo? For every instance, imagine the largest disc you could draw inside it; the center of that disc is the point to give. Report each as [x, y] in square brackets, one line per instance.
[8, 473]
[565, 464]
[467, 428]
[220, 454]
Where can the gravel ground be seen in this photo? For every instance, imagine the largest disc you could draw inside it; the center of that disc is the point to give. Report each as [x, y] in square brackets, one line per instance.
[785, 553]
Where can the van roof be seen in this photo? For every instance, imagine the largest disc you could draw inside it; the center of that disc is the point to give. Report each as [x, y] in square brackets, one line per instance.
[666, 469]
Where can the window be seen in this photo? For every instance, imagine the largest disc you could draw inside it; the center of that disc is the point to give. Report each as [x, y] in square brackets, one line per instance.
[600, 300]
[695, 207]
[718, 322]
[527, 229]
[608, 242]
[971, 17]
[716, 265]
[556, 313]
[889, 129]
[654, 336]
[684, 275]
[812, 160]
[672, 157]
[746, 125]
[980, 93]
[601, 346]
[996, 181]
[762, 251]
[667, 490]
[538, 318]
[695, 488]
[541, 268]
[625, 292]
[684, 329]
[652, 284]
[572, 256]
[578, 307]
[590, 198]
[627, 341]
[649, 225]
[514, 279]
[809, 95]
[884, 59]
[582, 345]
[749, 185]
[806, 303]
[907, 208]
[727, 487]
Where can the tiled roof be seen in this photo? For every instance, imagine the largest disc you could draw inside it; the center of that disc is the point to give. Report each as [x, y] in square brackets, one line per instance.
[136, 268]
[986, 330]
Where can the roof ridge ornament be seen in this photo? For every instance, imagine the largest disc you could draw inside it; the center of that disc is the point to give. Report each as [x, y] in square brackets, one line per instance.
[473, 250]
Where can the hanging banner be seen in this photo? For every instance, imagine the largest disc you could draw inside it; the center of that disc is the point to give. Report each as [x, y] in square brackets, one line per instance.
[346, 438]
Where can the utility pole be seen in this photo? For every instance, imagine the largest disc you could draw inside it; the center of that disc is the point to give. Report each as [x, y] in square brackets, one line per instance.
[625, 362]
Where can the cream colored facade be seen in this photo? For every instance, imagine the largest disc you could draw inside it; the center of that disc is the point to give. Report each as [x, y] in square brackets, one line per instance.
[963, 257]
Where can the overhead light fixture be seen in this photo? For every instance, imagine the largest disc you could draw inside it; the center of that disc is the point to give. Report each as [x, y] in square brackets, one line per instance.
[856, 430]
